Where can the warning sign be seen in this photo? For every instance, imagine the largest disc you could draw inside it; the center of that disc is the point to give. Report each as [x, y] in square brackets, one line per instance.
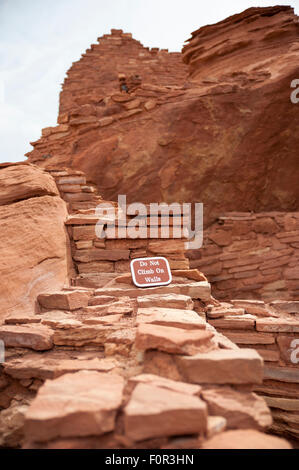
[149, 272]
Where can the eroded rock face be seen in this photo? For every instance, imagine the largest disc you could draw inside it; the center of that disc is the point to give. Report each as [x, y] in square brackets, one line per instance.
[226, 138]
[34, 242]
[20, 182]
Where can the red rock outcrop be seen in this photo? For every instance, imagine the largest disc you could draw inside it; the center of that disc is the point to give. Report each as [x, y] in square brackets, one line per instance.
[34, 252]
[227, 137]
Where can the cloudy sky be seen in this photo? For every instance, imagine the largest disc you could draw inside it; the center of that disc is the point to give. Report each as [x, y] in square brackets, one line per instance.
[39, 40]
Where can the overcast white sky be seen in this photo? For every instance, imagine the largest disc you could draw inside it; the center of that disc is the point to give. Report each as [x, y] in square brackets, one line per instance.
[39, 40]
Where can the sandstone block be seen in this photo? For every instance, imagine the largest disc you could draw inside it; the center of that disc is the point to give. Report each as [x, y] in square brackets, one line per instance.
[104, 320]
[172, 340]
[277, 325]
[244, 322]
[288, 404]
[178, 264]
[37, 337]
[84, 245]
[64, 300]
[96, 267]
[195, 290]
[292, 273]
[220, 312]
[87, 256]
[70, 188]
[165, 247]
[254, 307]
[80, 404]
[72, 180]
[156, 412]
[250, 338]
[166, 301]
[242, 410]
[84, 232]
[285, 374]
[84, 335]
[174, 317]
[162, 382]
[286, 306]
[77, 197]
[223, 366]
[121, 307]
[221, 238]
[268, 355]
[51, 366]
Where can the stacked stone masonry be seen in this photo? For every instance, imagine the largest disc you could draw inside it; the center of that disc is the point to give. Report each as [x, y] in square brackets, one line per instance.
[99, 260]
[142, 368]
[271, 329]
[118, 53]
[251, 255]
[90, 100]
[74, 189]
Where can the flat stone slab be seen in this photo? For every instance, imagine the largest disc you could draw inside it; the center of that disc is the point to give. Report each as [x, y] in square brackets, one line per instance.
[254, 307]
[87, 256]
[22, 319]
[282, 374]
[242, 410]
[119, 307]
[80, 219]
[242, 322]
[64, 300]
[250, 338]
[166, 301]
[287, 404]
[36, 367]
[84, 335]
[156, 412]
[106, 299]
[277, 325]
[185, 319]
[222, 366]
[220, 312]
[61, 323]
[37, 337]
[168, 384]
[105, 320]
[195, 290]
[172, 340]
[80, 404]
[286, 305]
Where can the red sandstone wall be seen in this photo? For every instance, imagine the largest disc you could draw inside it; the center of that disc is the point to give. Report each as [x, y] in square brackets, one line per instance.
[247, 255]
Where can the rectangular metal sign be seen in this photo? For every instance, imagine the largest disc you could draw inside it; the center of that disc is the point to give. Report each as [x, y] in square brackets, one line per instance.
[149, 272]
